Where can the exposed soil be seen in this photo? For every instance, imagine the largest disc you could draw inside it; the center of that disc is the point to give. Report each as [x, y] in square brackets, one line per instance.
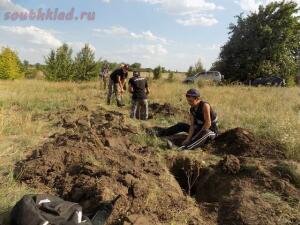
[96, 158]
[166, 110]
[239, 194]
[241, 142]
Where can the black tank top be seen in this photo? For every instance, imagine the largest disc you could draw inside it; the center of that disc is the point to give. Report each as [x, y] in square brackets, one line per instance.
[198, 114]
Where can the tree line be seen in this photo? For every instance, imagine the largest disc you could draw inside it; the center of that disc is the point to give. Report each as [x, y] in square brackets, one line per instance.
[60, 65]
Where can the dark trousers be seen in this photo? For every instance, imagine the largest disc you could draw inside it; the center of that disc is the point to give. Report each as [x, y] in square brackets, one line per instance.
[200, 136]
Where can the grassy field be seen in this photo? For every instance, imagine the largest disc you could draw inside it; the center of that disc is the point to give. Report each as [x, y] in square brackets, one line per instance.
[270, 112]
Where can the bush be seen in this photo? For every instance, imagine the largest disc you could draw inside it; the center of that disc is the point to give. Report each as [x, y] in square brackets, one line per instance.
[10, 65]
[157, 72]
[171, 76]
[197, 68]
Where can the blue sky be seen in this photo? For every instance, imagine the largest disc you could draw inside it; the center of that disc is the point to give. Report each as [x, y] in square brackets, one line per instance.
[171, 33]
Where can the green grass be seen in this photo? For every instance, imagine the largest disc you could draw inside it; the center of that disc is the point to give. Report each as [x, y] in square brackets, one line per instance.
[288, 171]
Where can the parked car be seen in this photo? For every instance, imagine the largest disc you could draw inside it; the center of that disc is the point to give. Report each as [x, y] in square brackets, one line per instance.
[208, 75]
[269, 81]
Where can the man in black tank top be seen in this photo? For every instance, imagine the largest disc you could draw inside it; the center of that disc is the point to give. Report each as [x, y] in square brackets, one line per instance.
[203, 123]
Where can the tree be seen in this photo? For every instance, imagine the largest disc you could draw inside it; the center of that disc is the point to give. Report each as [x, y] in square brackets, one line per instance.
[171, 76]
[136, 66]
[59, 64]
[262, 44]
[197, 68]
[85, 67]
[10, 65]
[25, 64]
[157, 72]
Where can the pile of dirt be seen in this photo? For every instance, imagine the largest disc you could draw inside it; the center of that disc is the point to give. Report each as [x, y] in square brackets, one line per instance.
[241, 142]
[165, 110]
[94, 160]
[230, 164]
[234, 191]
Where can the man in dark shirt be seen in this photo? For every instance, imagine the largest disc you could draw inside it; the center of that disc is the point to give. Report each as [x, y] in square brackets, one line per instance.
[203, 123]
[117, 84]
[139, 89]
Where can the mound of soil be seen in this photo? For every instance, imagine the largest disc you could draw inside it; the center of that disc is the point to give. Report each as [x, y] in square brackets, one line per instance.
[230, 164]
[166, 110]
[94, 161]
[234, 196]
[241, 142]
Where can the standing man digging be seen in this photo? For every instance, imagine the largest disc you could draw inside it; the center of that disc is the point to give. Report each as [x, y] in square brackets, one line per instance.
[203, 123]
[139, 89]
[117, 84]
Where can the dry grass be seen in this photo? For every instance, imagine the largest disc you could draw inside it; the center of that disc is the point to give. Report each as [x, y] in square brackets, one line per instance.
[270, 112]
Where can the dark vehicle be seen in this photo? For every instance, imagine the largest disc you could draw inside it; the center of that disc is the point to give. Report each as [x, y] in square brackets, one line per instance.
[269, 81]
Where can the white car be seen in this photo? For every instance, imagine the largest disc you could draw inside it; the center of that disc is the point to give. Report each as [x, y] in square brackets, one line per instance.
[208, 75]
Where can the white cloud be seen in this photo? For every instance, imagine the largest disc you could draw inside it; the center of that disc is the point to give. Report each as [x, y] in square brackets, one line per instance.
[122, 31]
[253, 5]
[148, 55]
[114, 30]
[249, 5]
[184, 7]
[8, 5]
[198, 20]
[77, 46]
[32, 43]
[30, 34]
[151, 50]
[149, 36]
[194, 11]
[212, 47]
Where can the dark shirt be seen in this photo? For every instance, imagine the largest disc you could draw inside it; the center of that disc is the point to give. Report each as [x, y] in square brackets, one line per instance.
[139, 85]
[198, 114]
[118, 73]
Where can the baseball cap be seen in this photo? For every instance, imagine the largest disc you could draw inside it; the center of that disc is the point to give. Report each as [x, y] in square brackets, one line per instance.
[136, 73]
[192, 93]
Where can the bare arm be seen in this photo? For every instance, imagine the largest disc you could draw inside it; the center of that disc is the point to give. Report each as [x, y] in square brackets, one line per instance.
[120, 83]
[130, 89]
[191, 131]
[207, 119]
[123, 81]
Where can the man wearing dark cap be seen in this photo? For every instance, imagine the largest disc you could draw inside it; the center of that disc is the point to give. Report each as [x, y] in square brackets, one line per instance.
[203, 123]
[117, 83]
[139, 89]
